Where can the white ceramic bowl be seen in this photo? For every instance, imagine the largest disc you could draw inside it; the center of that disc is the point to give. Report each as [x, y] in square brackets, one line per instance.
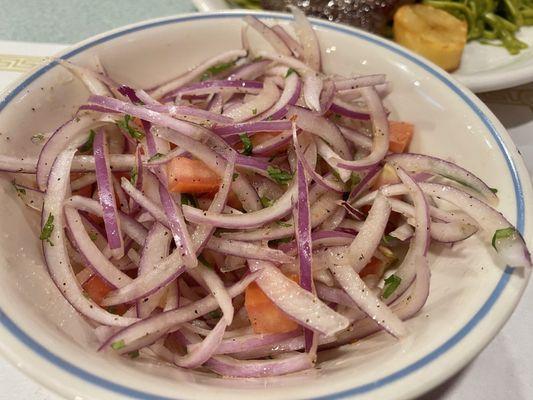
[470, 299]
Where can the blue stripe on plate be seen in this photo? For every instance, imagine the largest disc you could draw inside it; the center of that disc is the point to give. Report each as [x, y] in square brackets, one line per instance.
[478, 316]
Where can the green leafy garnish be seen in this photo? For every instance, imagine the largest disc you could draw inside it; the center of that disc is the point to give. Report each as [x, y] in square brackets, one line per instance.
[47, 229]
[247, 145]
[125, 125]
[133, 175]
[254, 111]
[202, 259]
[266, 202]
[216, 69]
[283, 224]
[388, 239]
[282, 240]
[38, 138]
[156, 156]
[278, 175]
[391, 284]
[215, 314]
[112, 309]
[502, 234]
[188, 200]
[235, 176]
[88, 145]
[354, 179]
[134, 354]
[93, 236]
[494, 190]
[119, 344]
[20, 191]
[290, 71]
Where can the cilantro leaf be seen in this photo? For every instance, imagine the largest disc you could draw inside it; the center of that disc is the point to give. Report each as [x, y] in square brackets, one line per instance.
[290, 71]
[119, 344]
[391, 284]
[125, 125]
[133, 175]
[283, 224]
[216, 69]
[156, 156]
[502, 234]
[48, 228]
[188, 200]
[247, 144]
[38, 138]
[20, 191]
[88, 145]
[265, 201]
[235, 176]
[281, 177]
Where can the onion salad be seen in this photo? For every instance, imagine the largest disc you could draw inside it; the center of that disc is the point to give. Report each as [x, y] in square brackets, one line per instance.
[247, 214]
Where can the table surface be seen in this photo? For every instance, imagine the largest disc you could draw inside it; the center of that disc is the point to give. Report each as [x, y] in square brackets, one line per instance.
[502, 371]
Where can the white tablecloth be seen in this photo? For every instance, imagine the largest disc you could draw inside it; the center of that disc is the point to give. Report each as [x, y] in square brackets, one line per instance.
[503, 371]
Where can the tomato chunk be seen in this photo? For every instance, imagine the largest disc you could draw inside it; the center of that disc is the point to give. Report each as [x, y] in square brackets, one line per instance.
[401, 134]
[191, 176]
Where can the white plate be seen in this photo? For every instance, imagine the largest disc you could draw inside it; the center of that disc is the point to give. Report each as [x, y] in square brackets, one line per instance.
[470, 298]
[483, 68]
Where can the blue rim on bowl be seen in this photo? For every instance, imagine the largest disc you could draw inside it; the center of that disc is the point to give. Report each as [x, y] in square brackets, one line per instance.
[109, 385]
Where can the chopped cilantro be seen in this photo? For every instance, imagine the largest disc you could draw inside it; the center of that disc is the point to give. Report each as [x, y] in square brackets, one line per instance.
[47, 229]
[266, 202]
[216, 69]
[88, 145]
[38, 138]
[247, 145]
[391, 284]
[388, 239]
[156, 156]
[254, 111]
[188, 200]
[112, 309]
[502, 234]
[119, 344]
[125, 125]
[133, 175]
[134, 354]
[278, 175]
[93, 236]
[354, 179]
[290, 71]
[283, 224]
[494, 190]
[215, 314]
[282, 240]
[235, 176]
[202, 259]
[20, 191]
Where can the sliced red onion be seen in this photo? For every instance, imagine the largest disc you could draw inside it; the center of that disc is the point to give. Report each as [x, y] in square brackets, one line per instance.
[293, 45]
[289, 97]
[83, 181]
[191, 114]
[268, 34]
[56, 257]
[326, 183]
[294, 344]
[320, 127]
[322, 239]
[423, 163]
[380, 128]
[403, 232]
[274, 144]
[145, 114]
[160, 323]
[364, 183]
[357, 138]
[90, 79]
[130, 227]
[326, 97]
[137, 176]
[327, 153]
[313, 85]
[156, 247]
[249, 71]
[249, 342]
[360, 81]
[106, 195]
[260, 103]
[72, 134]
[334, 295]
[299, 304]
[91, 253]
[204, 350]
[217, 86]
[247, 250]
[189, 76]
[367, 301]
[308, 38]
[32, 197]
[419, 244]
[249, 127]
[348, 110]
[117, 163]
[231, 367]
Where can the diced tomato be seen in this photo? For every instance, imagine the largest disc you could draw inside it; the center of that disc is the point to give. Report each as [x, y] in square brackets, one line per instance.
[264, 315]
[96, 288]
[401, 134]
[374, 267]
[387, 176]
[191, 176]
